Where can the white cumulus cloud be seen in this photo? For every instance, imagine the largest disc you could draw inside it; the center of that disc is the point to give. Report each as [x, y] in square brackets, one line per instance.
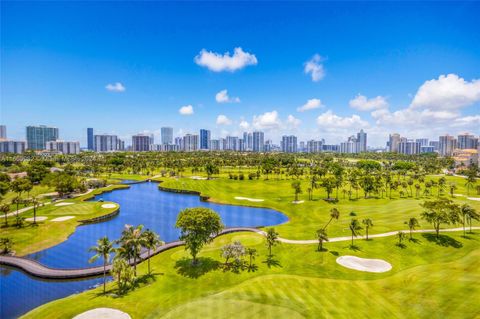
[362, 103]
[448, 92]
[310, 105]
[267, 120]
[186, 110]
[217, 62]
[314, 67]
[331, 120]
[244, 125]
[223, 120]
[293, 122]
[115, 87]
[223, 97]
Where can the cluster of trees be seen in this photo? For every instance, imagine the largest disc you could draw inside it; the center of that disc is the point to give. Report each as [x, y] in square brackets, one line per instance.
[128, 253]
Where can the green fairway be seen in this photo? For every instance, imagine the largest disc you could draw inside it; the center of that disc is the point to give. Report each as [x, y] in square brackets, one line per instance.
[435, 281]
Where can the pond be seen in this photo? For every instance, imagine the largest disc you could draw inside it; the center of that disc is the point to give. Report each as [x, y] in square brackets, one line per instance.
[142, 203]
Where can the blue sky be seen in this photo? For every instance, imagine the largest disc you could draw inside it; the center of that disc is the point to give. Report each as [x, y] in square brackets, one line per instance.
[411, 68]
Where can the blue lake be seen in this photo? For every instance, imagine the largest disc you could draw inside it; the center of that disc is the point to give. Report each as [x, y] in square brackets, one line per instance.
[142, 203]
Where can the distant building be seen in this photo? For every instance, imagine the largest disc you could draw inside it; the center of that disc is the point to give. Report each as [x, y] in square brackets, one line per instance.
[179, 143]
[214, 145]
[408, 147]
[141, 143]
[107, 143]
[434, 144]
[258, 141]
[393, 141]
[63, 147]
[289, 144]
[167, 135]
[3, 132]
[467, 141]
[330, 148]
[16, 147]
[90, 139]
[204, 139]
[38, 136]
[361, 142]
[465, 157]
[190, 142]
[446, 145]
[314, 146]
[422, 141]
[427, 149]
[164, 147]
[350, 146]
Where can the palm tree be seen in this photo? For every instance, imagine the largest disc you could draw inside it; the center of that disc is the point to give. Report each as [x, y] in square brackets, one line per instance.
[468, 212]
[252, 252]
[355, 228]
[35, 202]
[5, 208]
[271, 237]
[334, 214]
[321, 236]
[412, 223]
[131, 241]
[470, 182]
[401, 237]
[103, 249]
[151, 241]
[368, 223]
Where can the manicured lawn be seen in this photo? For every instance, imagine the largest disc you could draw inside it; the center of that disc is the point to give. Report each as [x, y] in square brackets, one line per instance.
[428, 280]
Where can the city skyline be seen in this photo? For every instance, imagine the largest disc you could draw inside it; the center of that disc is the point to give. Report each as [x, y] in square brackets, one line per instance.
[304, 80]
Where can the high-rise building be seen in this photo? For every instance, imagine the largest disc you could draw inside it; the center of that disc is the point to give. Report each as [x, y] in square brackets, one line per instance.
[90, 140]
[232, 143]
[289, 144]
[350, 146]
[107, 143]
[467, 141]
[434, 144]
[16, 147]
[190, 142]
[258, 141]
[214, 145]
[408, 147]
[167, 135]
[38, 136]
[63, 147]
[179, 143]
[3, 132]
[393, 141]
[314, 146]
[422, 141]
[141, 143]
[361, 141]
[446, 145]
[204, 139]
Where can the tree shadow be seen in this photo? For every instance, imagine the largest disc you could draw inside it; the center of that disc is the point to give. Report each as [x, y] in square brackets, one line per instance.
[443, 240]
[252, 268]
[203, 265]
[272, 262]
[401, 245]
[322, 250]
[335, 253]
[354, 248]
[415, 240]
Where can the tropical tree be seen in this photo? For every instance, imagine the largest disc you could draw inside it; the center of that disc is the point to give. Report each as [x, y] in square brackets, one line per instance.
[368, 223]
[329, 183]
[355, 228]
[35, 203]
[412, 224]
[252, 253]
[6, 243]
[234, 251]
[122, 272]
[5, 208]
[198, 227]
[321, 236]
[440, 211]
[131, 243]
[151, 241]
[297, 187]
[472, 214]
[471, 180]
[401, 236]
[271, 237]
[103, 249]
[211, 169]
[334, 214]
[468, 212]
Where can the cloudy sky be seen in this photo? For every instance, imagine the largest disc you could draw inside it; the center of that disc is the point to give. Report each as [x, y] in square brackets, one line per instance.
[317, 70]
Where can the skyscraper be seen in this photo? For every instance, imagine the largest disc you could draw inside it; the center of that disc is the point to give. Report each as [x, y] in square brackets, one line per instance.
[393, 141]
[362, 141]
[141, 143]
[258, 141]
[3, 132]
[90, 141]
[167, 135]
[446, 145]
[190, 142]
[204, 139]
[107, 143]
[38, 136]
[467, 141]
[289, 144]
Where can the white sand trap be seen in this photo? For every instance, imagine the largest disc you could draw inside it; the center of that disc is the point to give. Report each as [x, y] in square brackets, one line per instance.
[298, 201]
[103, 313]
[39, 219]
[109, 206]
[249, 199]
[198, 178]
[63, 204]
[363, 264]
[459, 195]
[474, 198]
[61, 219]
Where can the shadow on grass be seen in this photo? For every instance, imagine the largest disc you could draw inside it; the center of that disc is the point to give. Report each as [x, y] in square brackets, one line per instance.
[272, 262]
[443, 240]
[414, 240]
[401, 245]
[322, 250]
[354, 248]
[335, 253]
[252, 268]
[204, 265]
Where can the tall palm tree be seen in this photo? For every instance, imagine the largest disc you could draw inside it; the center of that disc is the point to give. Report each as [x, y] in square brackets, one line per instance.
[5, 208]
[151, 241]
[321, 236]
[401, 237]
[131, 241]
[412, 223]
[35, 202]
[355, 228]
[334, 214]
[368, 223]
[271, 238]
[103, 249]
[468, 212]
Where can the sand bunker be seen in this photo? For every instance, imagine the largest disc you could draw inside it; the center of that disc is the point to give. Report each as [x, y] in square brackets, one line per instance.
[363, 264]
[39, 219]
[61, 219]
[474, 198]
[459, 195]
[109, 206]
[298, 201]
[103, 313]
[249, 199]
[198, 178]
[63, 204]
